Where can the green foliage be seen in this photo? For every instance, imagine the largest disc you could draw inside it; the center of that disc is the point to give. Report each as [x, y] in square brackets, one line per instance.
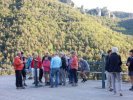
[47, 25]
[120, 25]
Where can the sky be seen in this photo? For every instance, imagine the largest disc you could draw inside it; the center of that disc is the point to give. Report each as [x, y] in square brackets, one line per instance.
[113, 5]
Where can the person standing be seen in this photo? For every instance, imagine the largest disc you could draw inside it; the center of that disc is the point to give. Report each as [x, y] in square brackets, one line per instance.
[84, 68]
[69, 69]
[24, 68]
[40, 68]
[28, 66]
[63, 70]
[55, 68]
[18, 66]
[36, 63]
[46, 68]
[46, 55]
[108, 75]
[115, 69]
[74, 68]
[130, 68]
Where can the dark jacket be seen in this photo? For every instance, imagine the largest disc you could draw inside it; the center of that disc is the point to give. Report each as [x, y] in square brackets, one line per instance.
[64, 64]
[106, 63]
[114, 63]
[130, 67]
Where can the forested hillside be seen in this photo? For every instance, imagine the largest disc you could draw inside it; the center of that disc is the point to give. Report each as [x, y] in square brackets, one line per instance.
[124, 26]
[47, 25]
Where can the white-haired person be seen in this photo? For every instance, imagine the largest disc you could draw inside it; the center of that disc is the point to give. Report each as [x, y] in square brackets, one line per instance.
[115, 70]
[84, 68]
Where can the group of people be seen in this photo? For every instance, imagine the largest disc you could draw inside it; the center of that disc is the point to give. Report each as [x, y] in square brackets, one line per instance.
[113, 69]
[58, 67]
[55, 68]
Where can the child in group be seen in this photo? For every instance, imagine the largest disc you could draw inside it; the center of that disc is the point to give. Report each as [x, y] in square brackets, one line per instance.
[46, 68]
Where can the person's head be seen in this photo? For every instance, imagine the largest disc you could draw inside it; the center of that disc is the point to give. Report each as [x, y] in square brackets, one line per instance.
[46, 53]
[115, 50]
[131, 53]
[56, 54]
[35, 55]
[62, 54]
[29, 55]
[19, 54]
[73, 53]
[22, 53]
[109, 52]
[81, 59]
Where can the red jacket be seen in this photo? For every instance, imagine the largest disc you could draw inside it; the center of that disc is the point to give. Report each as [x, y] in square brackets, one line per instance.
[18, 65]
[74, 63]
[46, 65]
[38, 61]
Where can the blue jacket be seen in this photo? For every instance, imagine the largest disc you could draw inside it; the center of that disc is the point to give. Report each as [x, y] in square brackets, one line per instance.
[114, 63]
[56, 62]
[28, 62]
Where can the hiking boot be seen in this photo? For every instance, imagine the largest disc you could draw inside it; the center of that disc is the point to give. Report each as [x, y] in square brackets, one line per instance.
[64, 84]
[40, 81]
[17, 88]
[33, 83]
[73, 84]
[22, 87]
[85, 80]
[51, 86]
[30, 78]
[47, 84]
[121, 94]
[25, 84]
[110, 90]
[82, 81]
[131, 89]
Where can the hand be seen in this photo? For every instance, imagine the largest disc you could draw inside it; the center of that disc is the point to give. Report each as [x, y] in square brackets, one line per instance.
[128, 64]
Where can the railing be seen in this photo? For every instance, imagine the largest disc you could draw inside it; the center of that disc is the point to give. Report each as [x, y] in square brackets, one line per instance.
[95, 70]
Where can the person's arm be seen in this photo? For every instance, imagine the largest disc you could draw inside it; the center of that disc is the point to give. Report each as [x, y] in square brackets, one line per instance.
[43, 58]
[128, 62]
[51, 65]
[87, 66]
[120, 63]
[60, 62]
